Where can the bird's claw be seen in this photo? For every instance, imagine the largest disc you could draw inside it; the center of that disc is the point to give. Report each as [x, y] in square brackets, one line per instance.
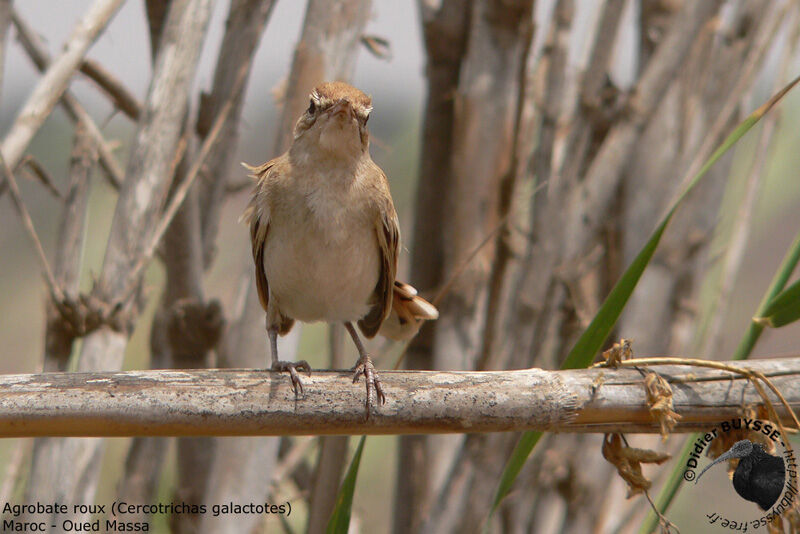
[365, 367]
[292, 368]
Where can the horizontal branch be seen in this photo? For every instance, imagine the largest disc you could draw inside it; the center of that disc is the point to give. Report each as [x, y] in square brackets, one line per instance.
[257, 402]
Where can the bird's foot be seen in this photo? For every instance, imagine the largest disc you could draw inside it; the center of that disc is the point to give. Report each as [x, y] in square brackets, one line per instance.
[365, 367]
[292, 368]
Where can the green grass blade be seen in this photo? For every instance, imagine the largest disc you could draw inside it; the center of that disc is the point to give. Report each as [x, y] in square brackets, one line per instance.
[592, 339]
[339, 522]
[783, 309]
[754, 330]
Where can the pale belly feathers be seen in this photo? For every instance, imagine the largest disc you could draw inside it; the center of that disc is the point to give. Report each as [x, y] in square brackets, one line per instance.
[322, 263]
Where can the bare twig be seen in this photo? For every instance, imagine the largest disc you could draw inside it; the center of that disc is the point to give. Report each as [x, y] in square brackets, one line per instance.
[179, 195]
[291, 460]
[27, 222]
[55, 80]
[244, 29]
[120, 96]
[61, 330]
[33, 167]
[38, 54]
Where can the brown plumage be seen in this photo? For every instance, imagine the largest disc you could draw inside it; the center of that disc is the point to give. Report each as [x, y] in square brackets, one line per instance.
[325, 233]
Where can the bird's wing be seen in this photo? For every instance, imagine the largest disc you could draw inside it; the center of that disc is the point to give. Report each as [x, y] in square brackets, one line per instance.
[258, 233]
[257, 214]
[387, 231]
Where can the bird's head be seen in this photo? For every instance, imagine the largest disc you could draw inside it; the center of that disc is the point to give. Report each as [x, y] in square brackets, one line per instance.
[740, 449]
[335, 121]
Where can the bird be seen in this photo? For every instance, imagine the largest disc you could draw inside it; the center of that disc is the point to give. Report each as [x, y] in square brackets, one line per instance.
[325, 236]
[759, 477]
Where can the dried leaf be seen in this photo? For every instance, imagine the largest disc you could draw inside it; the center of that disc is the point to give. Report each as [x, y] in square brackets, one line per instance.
[379, 47]
[659, 401]
[628, 461]
[620, 351]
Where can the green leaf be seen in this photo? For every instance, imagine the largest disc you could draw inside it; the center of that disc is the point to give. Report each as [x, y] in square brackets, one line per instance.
[592, 339]
[339, 522]
[783, 309]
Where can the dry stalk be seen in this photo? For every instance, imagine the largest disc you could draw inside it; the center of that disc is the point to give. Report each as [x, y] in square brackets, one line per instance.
[55, 80]
[37, 51]
[38, 171]
[120, 96]
[182, 190]
[291, 461]
[55, 291]
[750, 374]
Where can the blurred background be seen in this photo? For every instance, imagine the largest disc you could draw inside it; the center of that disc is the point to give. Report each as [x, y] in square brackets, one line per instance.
[398, 88]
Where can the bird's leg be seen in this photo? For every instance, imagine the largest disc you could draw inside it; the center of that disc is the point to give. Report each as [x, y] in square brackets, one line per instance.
[291, 367]
[364, 367]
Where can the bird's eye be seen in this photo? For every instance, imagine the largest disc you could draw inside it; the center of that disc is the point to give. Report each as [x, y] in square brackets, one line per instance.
[312, 107]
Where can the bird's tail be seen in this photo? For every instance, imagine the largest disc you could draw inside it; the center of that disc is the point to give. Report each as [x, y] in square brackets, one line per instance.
[408, 312]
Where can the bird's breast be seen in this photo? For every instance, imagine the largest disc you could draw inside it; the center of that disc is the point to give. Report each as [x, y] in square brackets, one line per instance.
[321, 259]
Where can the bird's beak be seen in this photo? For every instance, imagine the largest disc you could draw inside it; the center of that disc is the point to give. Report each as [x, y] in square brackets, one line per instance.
[737, 451]
[342, 107]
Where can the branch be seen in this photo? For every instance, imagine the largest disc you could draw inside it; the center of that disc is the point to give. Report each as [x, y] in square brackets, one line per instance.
[11, 183]
[60, 333]
[243, 31]
[38, 53]
[604, 171]
[181, 191]
[55, 80]
[120, 97]
[256, 402]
